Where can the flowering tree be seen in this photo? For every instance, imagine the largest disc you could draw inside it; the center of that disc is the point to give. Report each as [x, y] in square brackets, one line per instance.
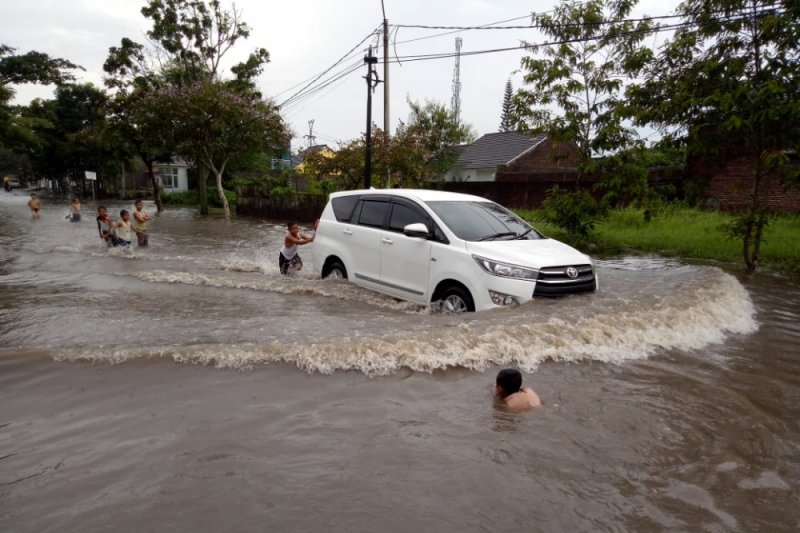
[190, 39]
[211, 123]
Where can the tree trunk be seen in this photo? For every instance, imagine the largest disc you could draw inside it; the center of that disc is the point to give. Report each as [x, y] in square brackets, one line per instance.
[221, 193]
[156, 191]
[202, 191]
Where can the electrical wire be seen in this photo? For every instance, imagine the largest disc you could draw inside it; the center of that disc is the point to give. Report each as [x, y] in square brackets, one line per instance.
[523, 46]
[530, 26]
[340, 60]
[451, 32]
[323, 85]
[310, 91]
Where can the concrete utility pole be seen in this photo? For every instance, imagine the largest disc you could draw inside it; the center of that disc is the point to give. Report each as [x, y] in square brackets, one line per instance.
[455, 101]
[372, 82]
[386, 123]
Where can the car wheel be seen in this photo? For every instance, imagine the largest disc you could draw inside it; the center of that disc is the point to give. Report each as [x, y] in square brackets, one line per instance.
[336, 270]
[456, 300]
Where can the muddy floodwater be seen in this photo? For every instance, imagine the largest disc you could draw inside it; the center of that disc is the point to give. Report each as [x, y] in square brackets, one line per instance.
[189, 387]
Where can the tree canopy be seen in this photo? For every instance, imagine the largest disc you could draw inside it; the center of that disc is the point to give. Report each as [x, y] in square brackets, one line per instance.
[728, 84]
[192, 38]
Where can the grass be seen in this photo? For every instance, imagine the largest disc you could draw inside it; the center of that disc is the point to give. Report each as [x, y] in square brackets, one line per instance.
[687, 233]
[190, 198]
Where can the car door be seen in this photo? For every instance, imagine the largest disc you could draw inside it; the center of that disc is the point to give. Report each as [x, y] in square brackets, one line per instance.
[405, 261]
[365, 238]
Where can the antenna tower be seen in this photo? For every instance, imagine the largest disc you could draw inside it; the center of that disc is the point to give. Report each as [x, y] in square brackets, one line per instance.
[455, 102]
[310, 136]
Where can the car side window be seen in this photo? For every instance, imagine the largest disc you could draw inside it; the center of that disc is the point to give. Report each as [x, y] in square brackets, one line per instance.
[373, 213]
[343, 207]
[403, 215]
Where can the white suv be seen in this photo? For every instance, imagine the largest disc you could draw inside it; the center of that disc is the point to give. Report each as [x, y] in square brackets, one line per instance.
[460, 252]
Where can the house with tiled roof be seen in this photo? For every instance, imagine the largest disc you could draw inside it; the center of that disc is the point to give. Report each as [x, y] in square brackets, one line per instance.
[509, 151]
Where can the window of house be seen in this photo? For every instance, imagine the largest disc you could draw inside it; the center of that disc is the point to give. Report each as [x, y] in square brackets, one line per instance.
[169, 177]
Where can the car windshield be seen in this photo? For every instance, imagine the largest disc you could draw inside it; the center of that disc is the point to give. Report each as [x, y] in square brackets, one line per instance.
[483, 221]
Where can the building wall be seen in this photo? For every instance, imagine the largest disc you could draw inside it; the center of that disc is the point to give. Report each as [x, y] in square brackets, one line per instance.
[730, 186]
[547, 158]
[470, 174]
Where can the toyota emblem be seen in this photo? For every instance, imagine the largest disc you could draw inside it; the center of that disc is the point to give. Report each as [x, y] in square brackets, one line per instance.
[572, 272]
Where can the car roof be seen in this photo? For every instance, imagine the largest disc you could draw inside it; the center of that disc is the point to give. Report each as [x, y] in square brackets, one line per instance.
[423, 195]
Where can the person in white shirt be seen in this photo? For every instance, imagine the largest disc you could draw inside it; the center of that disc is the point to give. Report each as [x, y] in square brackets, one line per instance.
[288, 256]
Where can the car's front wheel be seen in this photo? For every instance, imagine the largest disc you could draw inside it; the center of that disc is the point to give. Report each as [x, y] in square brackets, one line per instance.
[456, 300]
[335, 270]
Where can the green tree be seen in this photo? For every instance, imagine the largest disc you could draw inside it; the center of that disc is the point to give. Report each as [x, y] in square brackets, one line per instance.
[17, 130]
[71, 130]
[506, 121]
[728, 84]
[573, 85]
[191, 38]
[212, 123]
[421, 150]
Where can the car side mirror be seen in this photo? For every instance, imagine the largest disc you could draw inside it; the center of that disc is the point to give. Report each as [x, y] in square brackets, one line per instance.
[417, 229]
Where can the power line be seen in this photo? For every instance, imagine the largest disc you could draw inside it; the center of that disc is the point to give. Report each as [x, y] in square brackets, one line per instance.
[523, 46]
[344, 57]
[531, 26]
[451, 32]
[328, 82]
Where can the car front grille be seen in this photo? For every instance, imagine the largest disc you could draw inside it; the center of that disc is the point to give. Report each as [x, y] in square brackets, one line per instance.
[554, 281]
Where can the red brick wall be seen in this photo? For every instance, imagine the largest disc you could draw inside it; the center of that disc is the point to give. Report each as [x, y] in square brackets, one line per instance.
[730, 186]
[546, 157]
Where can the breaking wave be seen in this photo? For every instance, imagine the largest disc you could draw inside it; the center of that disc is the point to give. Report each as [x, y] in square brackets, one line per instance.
[705, 314]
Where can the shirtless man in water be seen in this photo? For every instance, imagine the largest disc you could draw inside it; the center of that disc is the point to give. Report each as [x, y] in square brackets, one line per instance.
[510, 390]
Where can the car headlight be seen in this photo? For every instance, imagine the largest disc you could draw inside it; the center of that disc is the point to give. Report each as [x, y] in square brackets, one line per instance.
[506, 270]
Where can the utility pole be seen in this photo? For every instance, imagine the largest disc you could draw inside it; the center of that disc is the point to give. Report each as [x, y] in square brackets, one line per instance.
[372, 82]
[455, 101]
[386, 124]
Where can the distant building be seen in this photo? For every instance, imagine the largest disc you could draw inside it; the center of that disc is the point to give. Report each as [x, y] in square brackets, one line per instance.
[498, 155]
[299, 160]
[173, 176]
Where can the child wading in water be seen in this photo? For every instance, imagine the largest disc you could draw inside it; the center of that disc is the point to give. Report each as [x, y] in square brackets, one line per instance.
[75, 210]
[288, 256]
[105, 226]
[123, 228]
[140, 218]
[515, 397]
[35, 205]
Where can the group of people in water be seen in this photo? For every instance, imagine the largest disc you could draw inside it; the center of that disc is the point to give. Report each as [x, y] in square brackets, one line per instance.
[508, 383]
[119, 233]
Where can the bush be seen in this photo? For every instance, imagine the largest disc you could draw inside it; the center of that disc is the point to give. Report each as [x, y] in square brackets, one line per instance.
[575, 212]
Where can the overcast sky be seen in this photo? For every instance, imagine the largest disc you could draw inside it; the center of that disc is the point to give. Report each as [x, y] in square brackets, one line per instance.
[305, 37]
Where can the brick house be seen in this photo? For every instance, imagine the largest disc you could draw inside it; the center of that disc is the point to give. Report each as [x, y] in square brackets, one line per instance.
[502, 156]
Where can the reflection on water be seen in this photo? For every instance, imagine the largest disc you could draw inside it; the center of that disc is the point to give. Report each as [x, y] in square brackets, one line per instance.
[671, 397]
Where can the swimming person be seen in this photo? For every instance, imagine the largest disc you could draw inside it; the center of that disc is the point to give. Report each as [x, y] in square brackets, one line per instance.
[75, 210]
[105, 227]
[140, 218]
[288, 256]
[123, 228]
[35, 205]
[508, 386]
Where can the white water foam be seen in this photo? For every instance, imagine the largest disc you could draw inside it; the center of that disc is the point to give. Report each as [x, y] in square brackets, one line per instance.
[279, 284]
[704, 316]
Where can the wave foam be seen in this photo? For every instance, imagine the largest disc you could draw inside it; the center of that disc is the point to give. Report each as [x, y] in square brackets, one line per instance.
[704, 315]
